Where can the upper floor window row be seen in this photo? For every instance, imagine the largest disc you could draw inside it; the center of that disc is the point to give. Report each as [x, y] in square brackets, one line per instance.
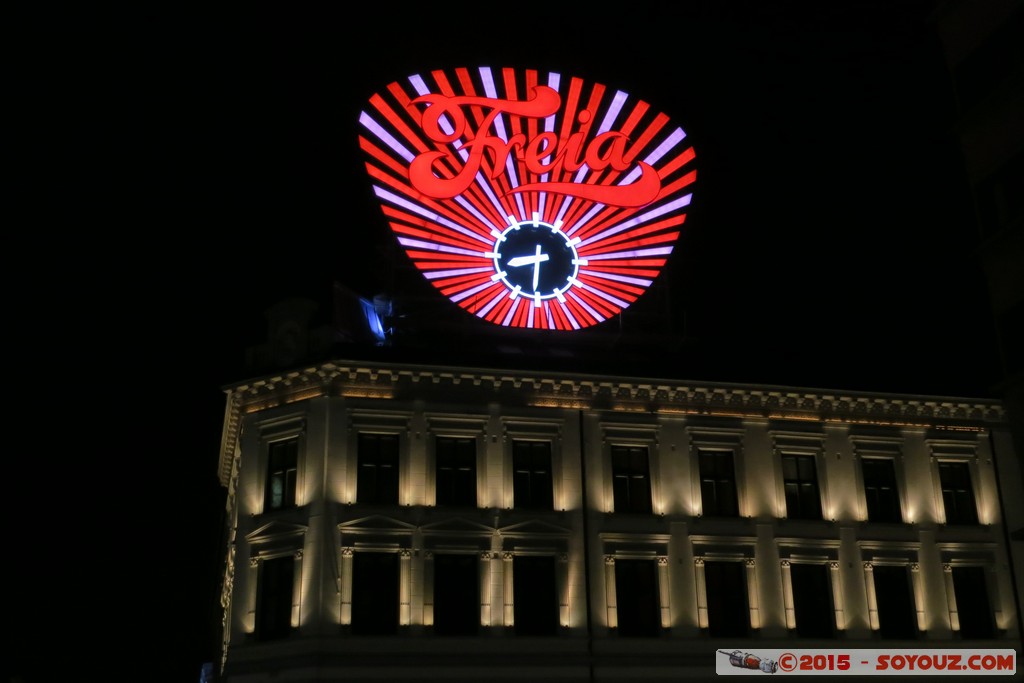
[455, 478]
[455, 471]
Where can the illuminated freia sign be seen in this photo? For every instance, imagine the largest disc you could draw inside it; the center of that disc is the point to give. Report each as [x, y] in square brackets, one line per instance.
[529, 199]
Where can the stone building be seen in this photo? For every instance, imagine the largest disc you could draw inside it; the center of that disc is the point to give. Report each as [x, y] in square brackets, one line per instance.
[399, 521]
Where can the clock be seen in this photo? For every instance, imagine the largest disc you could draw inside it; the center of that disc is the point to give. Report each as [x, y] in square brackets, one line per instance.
[536, 260]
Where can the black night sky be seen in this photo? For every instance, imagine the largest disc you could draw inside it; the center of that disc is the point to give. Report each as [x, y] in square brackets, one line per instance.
[829, 243]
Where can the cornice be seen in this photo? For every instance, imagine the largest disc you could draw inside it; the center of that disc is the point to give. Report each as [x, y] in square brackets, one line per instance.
[577, 391]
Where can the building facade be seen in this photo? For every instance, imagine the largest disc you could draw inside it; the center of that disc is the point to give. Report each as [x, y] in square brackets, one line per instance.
[393, 521]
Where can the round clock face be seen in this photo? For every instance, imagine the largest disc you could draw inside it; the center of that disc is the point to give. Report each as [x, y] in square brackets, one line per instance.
[536, 260]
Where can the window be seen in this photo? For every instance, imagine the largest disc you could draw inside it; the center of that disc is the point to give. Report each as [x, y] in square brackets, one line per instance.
[631, 482]
[718, 484]
[378, 469]
[531, 472]
[880, 490]
[957, 494]
[374, 593]
[456, 471]
[973, 607]
[534, 595]
[800, 480]
[812, 600]
[281, 474]
[274, 597]
[637, 597]
[456, 595]
[897, 617]
[728, 610]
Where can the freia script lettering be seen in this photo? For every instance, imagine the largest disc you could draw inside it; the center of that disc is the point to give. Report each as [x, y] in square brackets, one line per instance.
[544, 153]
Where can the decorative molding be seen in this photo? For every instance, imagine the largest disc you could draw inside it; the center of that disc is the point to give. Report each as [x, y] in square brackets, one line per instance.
[714, 437]
[961, 449]
[875, 445]
[229, 437]
[563, 390]
[798, 442]
[456, 424]
[609, 559]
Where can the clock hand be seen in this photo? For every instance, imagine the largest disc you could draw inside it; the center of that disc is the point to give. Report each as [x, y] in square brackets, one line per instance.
[517, 261]
[536, 268]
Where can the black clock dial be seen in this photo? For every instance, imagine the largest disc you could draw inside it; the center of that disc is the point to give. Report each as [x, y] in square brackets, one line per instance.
[537, 260]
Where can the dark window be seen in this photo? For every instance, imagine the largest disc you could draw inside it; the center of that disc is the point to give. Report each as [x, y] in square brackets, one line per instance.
[800, 477]
[531, 474]
[957, 494]
[972, 603]
[281, 474]
[897, 617]
[718, 484]
[456, 595]
[880, 490]
[378, 469]
[274, 598]
[728, 610]
[631, 479]
[812, 600]
[456, 471]
[374, 593]
[535, 597]
[638, 606]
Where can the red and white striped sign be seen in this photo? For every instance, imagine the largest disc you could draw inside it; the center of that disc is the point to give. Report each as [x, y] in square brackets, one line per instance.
[530, 199]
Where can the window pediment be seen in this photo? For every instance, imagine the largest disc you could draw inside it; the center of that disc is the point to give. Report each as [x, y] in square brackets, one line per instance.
[533, 527]
[375, 524]
[456, 526]
[276, 531]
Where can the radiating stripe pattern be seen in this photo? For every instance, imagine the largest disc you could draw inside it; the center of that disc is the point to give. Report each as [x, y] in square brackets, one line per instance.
[599, 140]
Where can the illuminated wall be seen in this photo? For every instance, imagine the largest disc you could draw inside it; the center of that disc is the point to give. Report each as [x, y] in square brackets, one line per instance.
[589, 530]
